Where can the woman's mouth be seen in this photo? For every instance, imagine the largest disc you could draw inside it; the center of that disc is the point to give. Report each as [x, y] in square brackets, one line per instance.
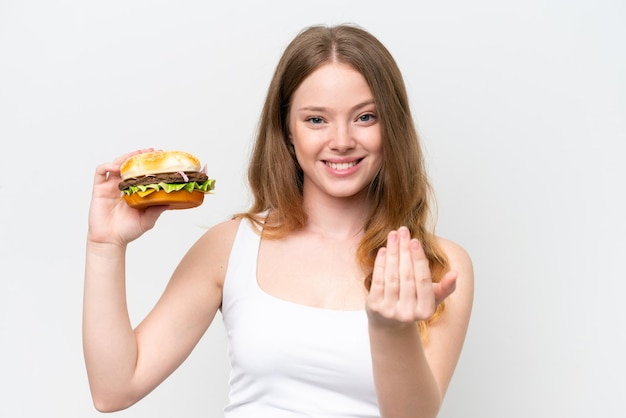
[342, 165]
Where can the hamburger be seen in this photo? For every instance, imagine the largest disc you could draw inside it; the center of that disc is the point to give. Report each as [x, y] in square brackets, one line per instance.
[171, 178]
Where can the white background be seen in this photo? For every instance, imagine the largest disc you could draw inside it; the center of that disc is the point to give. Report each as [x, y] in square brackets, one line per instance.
[521, 107]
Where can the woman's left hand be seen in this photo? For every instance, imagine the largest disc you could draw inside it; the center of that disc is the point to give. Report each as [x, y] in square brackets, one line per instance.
[402, 291]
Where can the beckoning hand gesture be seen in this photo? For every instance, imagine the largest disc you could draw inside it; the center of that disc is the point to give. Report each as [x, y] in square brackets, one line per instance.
[402, 291]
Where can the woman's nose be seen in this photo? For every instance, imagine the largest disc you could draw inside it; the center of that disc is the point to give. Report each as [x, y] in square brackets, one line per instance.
[342, 139]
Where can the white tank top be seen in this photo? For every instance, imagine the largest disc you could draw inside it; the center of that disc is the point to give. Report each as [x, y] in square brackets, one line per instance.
[287, 359]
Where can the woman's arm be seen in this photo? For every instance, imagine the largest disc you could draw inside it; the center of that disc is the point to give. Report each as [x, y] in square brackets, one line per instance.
[124, 364]
[411, 378]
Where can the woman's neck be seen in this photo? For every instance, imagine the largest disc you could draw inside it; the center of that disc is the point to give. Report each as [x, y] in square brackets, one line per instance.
[339, 218]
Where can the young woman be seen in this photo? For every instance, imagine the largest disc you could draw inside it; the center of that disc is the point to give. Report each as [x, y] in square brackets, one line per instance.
[338, 298]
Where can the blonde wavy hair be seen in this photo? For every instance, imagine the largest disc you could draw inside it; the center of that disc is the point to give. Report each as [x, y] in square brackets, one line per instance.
[399, 195]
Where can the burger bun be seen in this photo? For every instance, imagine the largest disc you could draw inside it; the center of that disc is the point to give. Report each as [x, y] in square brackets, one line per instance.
[158, 162]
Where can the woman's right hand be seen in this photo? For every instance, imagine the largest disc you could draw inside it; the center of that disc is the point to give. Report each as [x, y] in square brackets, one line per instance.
[111, 220]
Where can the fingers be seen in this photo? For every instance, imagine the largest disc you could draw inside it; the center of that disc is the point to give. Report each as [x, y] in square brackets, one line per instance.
[111, 170]
[152, 214]
[423, 281]
[445, 287]
[408, 293]
[392, 267]
[104, 171]
[377, 287]
[402, 286]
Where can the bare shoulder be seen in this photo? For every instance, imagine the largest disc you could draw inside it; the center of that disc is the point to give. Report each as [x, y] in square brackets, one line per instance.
[461, 263]
[210, 253]
[221, 235]
[459, 258]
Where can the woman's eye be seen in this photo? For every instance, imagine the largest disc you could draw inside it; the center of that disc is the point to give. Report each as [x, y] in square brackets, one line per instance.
[366, 117]
[315, 120]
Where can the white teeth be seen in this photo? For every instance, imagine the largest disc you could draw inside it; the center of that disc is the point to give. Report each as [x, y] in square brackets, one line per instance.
[340, 166]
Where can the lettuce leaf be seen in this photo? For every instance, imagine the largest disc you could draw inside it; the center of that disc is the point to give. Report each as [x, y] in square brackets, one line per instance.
[146, 189]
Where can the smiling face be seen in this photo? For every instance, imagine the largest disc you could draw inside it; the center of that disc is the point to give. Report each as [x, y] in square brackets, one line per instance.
[334, 128]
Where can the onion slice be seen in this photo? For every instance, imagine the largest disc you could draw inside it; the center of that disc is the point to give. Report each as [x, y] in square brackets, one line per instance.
[182, 173]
